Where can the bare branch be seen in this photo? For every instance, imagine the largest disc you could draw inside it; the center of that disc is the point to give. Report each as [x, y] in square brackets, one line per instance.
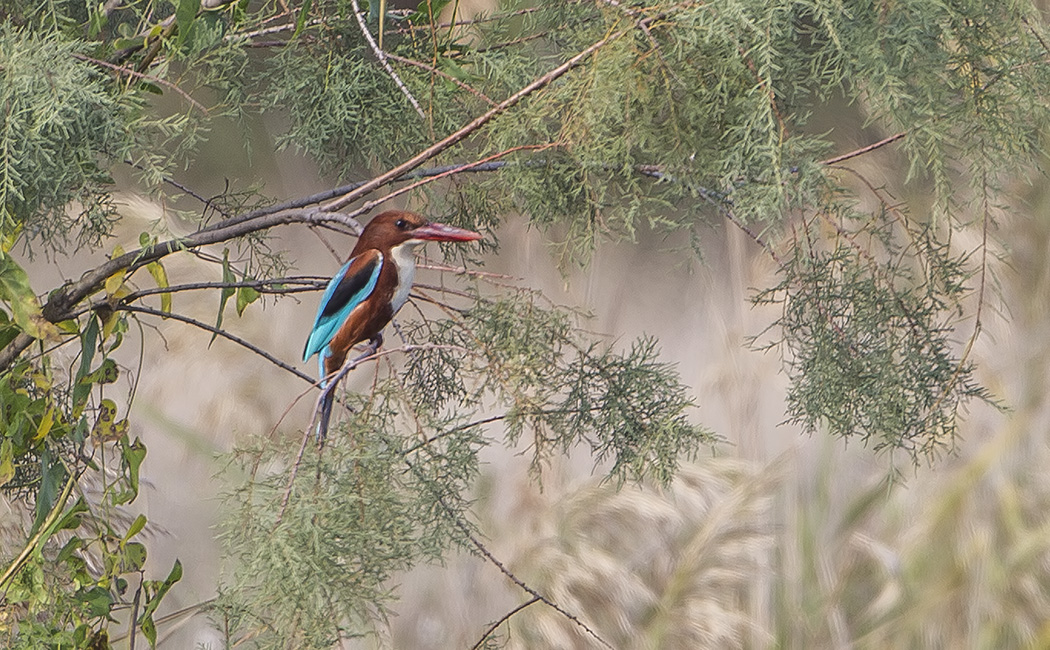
[507, 572]
[382, 60]
[504, 619]
[122, 70]
[863, 150]
[63, 299]
[220, 332]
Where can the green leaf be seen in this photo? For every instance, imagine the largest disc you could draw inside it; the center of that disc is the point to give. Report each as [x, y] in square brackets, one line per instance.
[107, 373]
[227, 278]
[18, 294]
[70, 520]
[135, 527]
[98, 600]
[52, 476]
[107, 428]
[245, 297]
[185, 13]
[134, 557]
[132, 455]
[426, 8]
[300, 21]
[149, 629]
[8, 330]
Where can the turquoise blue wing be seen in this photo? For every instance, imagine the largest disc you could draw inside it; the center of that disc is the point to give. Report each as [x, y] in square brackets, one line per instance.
[348, 288]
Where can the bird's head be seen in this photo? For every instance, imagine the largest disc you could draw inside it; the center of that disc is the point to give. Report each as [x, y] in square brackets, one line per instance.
[394, 228]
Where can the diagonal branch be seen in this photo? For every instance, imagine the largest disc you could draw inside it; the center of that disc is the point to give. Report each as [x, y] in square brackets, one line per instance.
[502, 620]
[221, 332]
[382, 60]
[444, 75]
[477, 123]
[510, 576]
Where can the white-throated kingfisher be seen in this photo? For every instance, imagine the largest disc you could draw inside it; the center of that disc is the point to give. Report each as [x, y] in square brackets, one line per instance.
[366, 293]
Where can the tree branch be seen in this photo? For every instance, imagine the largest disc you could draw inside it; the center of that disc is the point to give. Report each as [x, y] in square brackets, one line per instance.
[63, 299]
[504, 619]
[444, 75]
[140, 75]
[220, 332]
[477, 123]
[864, 150]
[382, 60]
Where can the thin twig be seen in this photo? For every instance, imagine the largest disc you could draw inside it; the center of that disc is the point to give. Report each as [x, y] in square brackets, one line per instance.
[220, 332]
[272, 30]
[457, 169]
[332, 381]
[381, 55]
[444, 75]
[504, 619]
[63, 299]
[262, 286]
[45, 528]
[507, 572]
[141, 75]
[462, 270]
[863, 150]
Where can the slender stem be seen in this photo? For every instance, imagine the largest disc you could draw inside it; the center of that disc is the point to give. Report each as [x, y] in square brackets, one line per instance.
[381, 55]
[863, 150]
[140, 75]
[444, 75]
[504, 619]
[52, 516]
[220, 332]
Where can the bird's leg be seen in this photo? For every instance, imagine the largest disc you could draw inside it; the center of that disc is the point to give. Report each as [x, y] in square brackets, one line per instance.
[372, 347]
[327, 398]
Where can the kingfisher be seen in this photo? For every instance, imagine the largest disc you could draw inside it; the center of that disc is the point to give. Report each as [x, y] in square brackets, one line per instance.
[370, 288]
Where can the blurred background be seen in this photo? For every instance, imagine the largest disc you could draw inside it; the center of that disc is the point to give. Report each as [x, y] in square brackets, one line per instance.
[771, 539]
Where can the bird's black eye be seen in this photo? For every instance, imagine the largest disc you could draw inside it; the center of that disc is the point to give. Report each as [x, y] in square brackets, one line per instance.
[401, 223]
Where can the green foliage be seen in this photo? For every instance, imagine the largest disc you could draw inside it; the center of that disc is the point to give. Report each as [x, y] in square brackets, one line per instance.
[629, 408]
[869, 341]
[61, 121]
[75, 571]
[683, 115]
[380, 500]
[313, 558]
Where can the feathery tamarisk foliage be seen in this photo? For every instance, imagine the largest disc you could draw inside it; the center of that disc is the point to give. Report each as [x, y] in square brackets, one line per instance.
[610, 120]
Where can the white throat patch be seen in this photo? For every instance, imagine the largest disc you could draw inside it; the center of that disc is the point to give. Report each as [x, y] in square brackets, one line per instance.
[404, 256]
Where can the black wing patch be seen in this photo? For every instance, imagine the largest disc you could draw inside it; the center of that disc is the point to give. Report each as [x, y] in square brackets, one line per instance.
[350, 286]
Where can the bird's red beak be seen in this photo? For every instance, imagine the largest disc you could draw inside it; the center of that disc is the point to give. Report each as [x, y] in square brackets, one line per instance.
[440, 232]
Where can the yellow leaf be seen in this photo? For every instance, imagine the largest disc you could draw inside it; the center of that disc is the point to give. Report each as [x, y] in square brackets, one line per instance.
[7, 464]
[107, 428]
[46, 423]
[115, 281]
[42, 381]
[109, 323]
[68, 326]
[25, 307]
[160, 276]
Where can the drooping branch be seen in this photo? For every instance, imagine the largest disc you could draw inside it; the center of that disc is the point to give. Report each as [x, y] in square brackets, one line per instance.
[65, 298]
[503, 619]
[139, 309]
